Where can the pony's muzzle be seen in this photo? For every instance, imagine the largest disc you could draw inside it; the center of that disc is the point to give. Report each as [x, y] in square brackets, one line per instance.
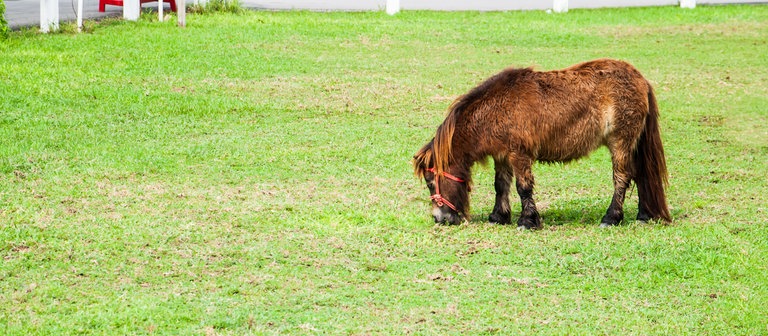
[444, 217]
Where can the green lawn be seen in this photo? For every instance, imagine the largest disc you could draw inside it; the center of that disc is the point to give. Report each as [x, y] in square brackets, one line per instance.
[251, 174]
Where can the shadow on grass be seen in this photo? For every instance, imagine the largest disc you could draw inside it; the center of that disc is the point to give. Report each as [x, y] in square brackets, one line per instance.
[578, 212]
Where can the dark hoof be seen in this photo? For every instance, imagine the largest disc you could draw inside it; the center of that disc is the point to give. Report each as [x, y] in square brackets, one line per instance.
[530, 223]
[495, 218]
[609, 220]
[532, 228]
[643, 217]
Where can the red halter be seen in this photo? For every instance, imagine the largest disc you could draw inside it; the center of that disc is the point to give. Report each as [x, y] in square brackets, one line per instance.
[439, 199]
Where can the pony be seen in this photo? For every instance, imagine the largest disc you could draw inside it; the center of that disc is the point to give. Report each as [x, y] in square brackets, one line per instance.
[521, 115]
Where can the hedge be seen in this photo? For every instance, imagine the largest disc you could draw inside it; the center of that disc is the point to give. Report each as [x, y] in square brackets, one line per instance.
[3, 23]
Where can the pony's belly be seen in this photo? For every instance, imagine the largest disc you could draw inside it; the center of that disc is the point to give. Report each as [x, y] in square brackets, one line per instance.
[563, 155]
[574, 140]
[570, 146]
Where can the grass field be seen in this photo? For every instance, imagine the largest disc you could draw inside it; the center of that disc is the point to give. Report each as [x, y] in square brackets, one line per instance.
[251, 174]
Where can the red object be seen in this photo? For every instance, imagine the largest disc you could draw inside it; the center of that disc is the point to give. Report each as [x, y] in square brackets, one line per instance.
[104, 3]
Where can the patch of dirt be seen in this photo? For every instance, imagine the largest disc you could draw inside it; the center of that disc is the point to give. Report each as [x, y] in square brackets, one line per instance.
[439, 277]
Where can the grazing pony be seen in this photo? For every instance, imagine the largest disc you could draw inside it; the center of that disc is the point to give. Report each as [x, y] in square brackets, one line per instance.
[519, 116]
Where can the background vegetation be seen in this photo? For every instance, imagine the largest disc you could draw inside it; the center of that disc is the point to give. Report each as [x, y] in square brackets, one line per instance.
[250, 174]
[3, 22]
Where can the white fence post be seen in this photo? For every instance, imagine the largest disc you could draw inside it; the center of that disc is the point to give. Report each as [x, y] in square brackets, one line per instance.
[160, 10]
[181, 12]
[560, 6]
[131, 10]
[49, 15]
[79, 16]
[393, 6]
[687, 3]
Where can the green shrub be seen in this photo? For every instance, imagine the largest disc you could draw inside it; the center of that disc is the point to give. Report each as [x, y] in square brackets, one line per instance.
[3, 23]
[228, 6]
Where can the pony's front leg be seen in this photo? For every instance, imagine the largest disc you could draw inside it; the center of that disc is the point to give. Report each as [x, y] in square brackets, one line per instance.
[501, 212]
[529, 217]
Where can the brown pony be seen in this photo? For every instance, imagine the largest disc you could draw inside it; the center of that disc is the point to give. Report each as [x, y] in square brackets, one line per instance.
[520, 116]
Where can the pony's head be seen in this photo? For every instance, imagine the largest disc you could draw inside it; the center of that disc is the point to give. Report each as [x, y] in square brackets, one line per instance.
[449, 191]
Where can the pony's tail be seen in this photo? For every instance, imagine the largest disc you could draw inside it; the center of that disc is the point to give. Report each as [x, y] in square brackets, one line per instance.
[651, 174]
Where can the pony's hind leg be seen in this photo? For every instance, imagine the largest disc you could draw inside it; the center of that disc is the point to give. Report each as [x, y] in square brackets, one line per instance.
[615, 213]
[501, 212]
[529, 217]
[642, 213]
[620, 159]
